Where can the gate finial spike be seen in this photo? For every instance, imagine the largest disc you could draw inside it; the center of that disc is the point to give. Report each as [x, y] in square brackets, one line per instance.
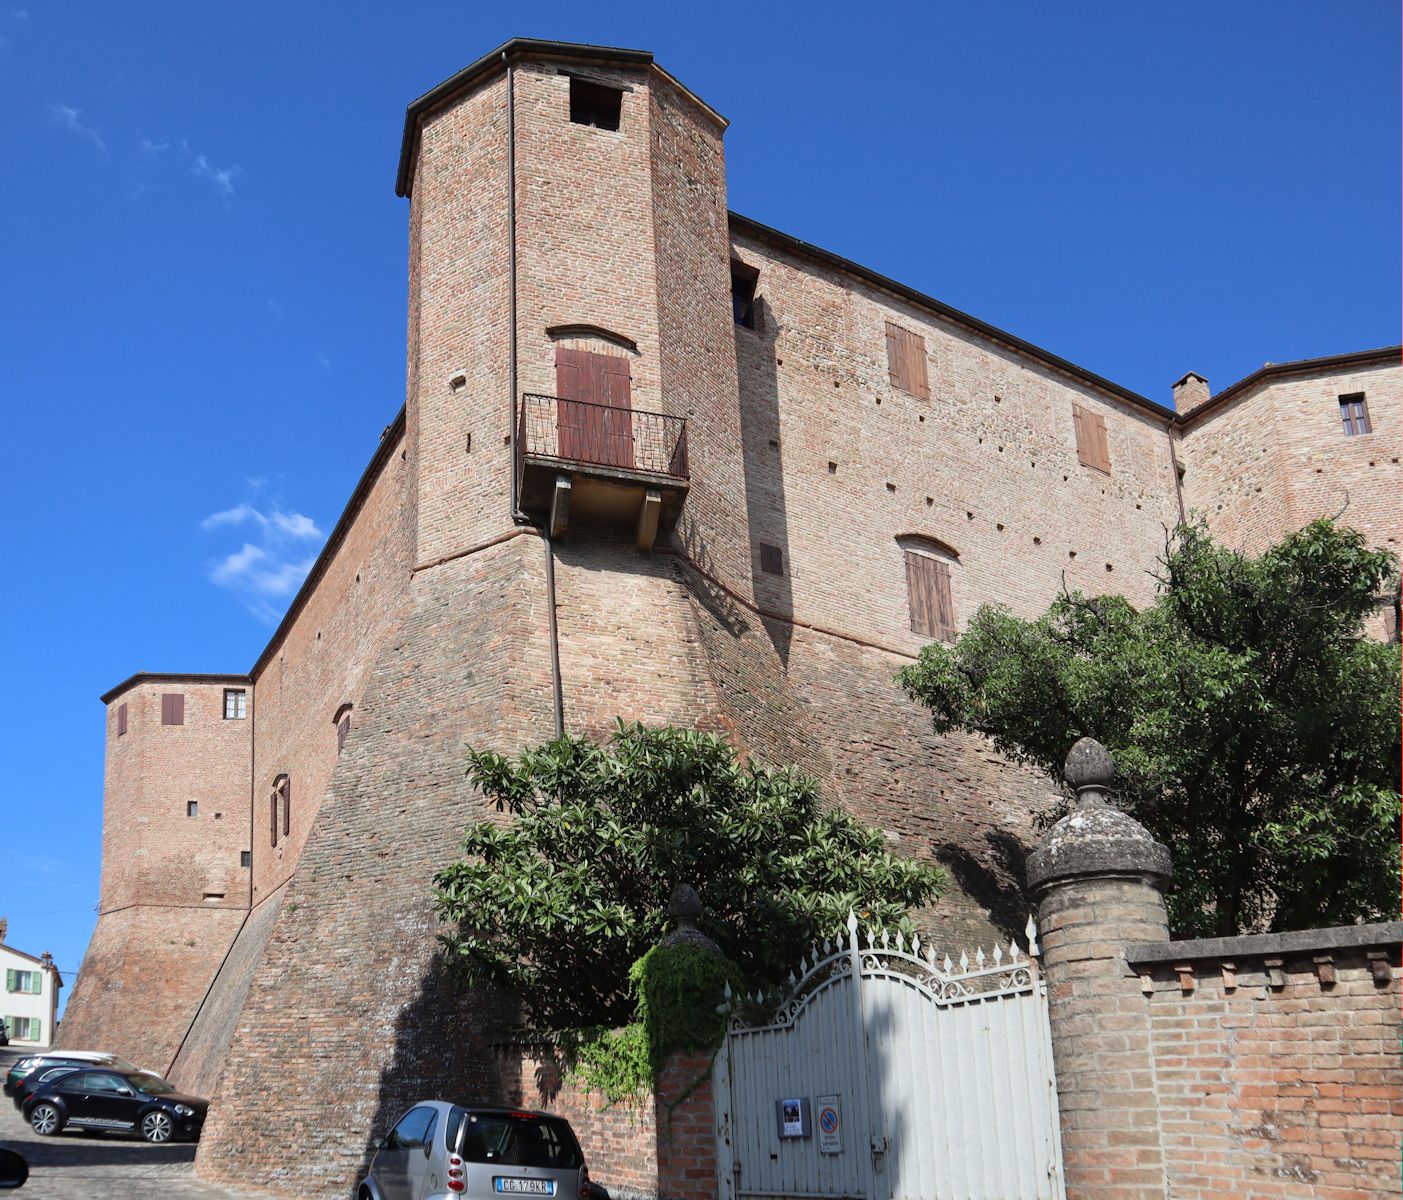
[998, 954]
[930, 956]
[964, 960]
[726, 991]
[827, 947]
[1031, 929]
[885, 939]
[979, 956]
[916, 945]
[852, 922]
[949, 966]
[900, 941]
[792, 981]
[1013, 949]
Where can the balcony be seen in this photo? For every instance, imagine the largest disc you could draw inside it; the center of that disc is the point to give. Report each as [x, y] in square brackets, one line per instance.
[582, 461]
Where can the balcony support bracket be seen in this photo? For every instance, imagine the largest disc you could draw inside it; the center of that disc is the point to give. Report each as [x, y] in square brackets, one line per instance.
[560, 506]
[648, 514]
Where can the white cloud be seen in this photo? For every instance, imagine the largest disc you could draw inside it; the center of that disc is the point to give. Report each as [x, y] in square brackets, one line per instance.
[222, 177]
[266, 570]
[19, 14]
[71, 119]
[153, 149]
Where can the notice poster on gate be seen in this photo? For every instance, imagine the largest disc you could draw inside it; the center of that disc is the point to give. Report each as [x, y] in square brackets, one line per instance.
[830, 1125]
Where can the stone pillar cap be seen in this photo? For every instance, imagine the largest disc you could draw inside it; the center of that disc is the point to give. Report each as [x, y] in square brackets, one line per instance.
[684, 906]
[1095, 839]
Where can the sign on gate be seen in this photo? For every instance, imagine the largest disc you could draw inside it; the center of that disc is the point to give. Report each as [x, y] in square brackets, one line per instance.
[830, 1126]
[931, 1080]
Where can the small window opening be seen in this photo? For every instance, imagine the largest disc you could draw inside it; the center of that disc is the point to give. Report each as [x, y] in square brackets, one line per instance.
[743, 281]
[594, 104]
[771, 559]
[121, 720]
[192, 808]
[235, 704]
[214, 895]
[1354, 413]
[245, 858]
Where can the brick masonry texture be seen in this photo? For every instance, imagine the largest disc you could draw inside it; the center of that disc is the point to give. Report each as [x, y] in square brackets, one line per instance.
[316, 977]
[1275, 1087]
[662, 1144]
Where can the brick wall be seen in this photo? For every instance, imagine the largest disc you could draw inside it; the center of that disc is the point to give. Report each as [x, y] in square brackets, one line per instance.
[840, 463]
[1277, 1071]
[661, 1145]
[153, 851]
[1275, 457]
[320, 663]
[144, 974]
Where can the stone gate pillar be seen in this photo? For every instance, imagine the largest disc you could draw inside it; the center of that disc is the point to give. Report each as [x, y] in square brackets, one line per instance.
[1098, 879]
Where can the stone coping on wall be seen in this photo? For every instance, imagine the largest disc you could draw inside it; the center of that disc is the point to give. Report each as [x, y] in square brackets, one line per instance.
[1301, 941]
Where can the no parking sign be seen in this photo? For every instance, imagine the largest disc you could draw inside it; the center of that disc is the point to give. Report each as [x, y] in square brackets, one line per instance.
[830, 1125]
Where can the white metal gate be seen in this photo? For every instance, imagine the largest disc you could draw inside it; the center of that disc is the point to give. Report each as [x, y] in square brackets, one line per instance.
[888, 1075]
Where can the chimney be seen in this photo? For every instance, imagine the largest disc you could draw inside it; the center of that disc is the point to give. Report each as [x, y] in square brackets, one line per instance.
[4, 928]
[1190, 393]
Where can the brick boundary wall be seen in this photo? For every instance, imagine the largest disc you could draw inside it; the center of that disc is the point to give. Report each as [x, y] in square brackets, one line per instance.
[1276, 1062]
[660, 1147]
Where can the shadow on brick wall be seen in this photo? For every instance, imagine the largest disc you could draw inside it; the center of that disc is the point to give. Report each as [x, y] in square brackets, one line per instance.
[444, 1051]
[998, 884]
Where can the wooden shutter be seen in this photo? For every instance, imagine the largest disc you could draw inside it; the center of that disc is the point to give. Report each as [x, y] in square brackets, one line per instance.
[9, 979]
[287, 805]
[928, 593]
[1093, 446]
[173, 708]
[273, 815]
[121, 719]
[906, 361]
[343, 728]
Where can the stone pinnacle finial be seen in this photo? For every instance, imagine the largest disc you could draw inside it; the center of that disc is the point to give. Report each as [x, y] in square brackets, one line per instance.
[4, 927]
[684, 906]
[1089, 769]
[1095, 839]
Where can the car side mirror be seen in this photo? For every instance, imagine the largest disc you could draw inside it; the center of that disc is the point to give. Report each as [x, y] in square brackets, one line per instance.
[13, 1170]
[124, 1091]
[380, 1142]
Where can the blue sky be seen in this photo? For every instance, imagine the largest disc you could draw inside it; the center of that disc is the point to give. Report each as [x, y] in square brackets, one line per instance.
[202, 269]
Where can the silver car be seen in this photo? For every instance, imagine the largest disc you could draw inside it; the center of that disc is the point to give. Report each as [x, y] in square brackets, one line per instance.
[441, 1151]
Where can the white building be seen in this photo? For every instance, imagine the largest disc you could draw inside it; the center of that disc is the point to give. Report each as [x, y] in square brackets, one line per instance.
[29, 1002]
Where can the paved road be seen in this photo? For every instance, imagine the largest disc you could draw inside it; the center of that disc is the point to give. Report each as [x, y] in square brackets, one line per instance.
[73, 1166]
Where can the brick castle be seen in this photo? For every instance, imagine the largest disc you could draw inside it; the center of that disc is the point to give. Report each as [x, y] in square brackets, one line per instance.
[658, 461]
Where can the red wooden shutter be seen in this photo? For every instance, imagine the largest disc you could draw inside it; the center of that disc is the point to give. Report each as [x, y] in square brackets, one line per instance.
[928, 593]
[343, 728]
[287, 805]
[1100, 443]
[944, 607]
[173, 708]
[121, 719]
[895, 372]
[906, 361]
[615, 388]
[918, 594]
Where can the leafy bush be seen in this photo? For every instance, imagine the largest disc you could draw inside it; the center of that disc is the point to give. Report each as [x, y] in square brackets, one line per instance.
[1255, 729]
[559, 903]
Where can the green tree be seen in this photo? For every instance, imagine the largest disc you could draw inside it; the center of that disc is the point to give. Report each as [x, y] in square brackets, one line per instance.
[1255, 729]
[560, 902]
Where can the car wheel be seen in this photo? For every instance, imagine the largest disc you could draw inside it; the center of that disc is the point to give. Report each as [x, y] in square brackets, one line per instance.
[156, 1127]
[45, 1120]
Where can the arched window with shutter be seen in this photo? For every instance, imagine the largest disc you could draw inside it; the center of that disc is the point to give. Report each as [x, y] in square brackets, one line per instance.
[342, 723]
[929, 594]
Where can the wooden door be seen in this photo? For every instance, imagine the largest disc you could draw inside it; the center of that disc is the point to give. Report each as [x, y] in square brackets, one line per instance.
[594, 420]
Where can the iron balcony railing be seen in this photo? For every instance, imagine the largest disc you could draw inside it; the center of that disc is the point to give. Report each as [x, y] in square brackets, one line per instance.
[576, 431]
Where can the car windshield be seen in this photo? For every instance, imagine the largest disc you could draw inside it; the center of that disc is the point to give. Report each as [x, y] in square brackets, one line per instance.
[152, 1085]
[519, 1140]
[121, 1064]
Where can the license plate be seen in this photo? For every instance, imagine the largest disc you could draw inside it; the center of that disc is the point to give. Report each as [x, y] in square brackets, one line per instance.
[525, 1187]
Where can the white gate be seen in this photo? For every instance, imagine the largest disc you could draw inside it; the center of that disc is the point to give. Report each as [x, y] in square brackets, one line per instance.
[886, 1075]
